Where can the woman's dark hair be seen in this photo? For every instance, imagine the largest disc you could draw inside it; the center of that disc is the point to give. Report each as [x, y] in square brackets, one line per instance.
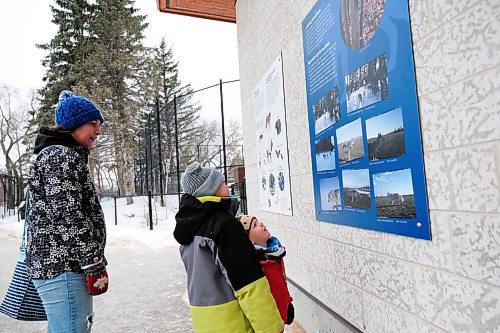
[60, 129]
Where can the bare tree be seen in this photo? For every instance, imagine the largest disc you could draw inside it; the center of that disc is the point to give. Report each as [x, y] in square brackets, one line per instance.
[208, 149]
[15, 118]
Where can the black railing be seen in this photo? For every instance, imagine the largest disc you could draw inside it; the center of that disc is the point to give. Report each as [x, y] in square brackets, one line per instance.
[170, 203]
[239, 189]
[159, 165]
[11, 195]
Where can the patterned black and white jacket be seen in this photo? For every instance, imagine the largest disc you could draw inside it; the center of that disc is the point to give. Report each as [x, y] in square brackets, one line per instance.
[65, 222]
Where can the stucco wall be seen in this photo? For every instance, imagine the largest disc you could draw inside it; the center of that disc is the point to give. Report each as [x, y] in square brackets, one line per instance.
[381, 282]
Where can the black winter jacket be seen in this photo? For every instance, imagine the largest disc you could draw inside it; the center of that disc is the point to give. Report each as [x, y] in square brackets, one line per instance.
[65, 222]
[227, 289]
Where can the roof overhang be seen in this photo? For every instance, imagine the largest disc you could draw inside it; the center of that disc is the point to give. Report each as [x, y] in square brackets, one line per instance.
[220, 10]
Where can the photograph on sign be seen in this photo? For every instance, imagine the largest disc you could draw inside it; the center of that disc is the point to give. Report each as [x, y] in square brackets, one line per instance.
[330, 194]
[367, 85]
[356, 188]
[385, 134]
[325, 153]
[350, 142]
[394, 194]
[359, 22]
[327, 110]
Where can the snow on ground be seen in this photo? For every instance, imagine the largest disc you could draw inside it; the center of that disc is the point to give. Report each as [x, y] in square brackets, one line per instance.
[323, 122]
[131, 230]
[325, 161]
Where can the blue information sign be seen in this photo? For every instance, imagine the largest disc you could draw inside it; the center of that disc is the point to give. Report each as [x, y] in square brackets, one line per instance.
[366, 145]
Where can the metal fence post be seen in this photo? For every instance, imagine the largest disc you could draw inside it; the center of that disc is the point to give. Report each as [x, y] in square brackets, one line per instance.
[177, 149]
[4, 196]
[116, 215]
[150, 144]
[160, 162]
[244, 195]
[141, 179]
[146, 162]
[223, 131]
[150, 211]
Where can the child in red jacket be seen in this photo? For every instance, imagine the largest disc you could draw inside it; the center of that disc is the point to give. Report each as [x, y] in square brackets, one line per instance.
[271, 255]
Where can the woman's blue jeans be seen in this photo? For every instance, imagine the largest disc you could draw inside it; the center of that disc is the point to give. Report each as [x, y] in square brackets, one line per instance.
[67, 303]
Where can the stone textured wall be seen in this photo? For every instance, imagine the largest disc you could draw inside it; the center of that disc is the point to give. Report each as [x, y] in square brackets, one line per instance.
[381, 282]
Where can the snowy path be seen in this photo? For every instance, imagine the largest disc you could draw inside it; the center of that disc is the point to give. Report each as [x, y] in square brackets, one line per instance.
[147, 292]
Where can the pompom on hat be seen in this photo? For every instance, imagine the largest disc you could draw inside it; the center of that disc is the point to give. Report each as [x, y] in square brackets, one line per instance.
[72, 111]
[199, 181]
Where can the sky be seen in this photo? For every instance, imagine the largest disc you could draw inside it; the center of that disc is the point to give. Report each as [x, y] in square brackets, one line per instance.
[394, 182]
[356, 178]
[384, 123]
[349, 131]
[327, 184]
[206, 49]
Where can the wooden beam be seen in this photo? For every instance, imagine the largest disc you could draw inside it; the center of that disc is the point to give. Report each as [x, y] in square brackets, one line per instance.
[219, 10]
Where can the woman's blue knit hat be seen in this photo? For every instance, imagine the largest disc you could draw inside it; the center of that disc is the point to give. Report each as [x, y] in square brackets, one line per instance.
[72, 111]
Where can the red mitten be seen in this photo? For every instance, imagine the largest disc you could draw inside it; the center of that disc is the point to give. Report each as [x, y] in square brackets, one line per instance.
[97, 279]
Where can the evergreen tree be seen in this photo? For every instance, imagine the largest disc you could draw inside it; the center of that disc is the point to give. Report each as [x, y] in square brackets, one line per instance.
[113, 70]
[66, 52]
[97, 52]
[162, 83]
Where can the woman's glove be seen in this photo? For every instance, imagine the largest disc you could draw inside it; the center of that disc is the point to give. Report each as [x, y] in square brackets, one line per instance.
[97, 279]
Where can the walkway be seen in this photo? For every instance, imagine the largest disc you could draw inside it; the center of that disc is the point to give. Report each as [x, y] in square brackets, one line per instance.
[147, 293]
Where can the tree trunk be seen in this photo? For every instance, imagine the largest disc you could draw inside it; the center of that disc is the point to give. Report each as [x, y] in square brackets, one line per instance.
[354, 13]
[124, 168]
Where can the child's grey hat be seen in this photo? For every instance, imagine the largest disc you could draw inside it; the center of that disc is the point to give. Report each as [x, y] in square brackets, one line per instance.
[199, 181]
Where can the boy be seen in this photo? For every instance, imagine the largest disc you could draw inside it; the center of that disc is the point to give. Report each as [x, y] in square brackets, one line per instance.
[271, 255]
[228, 292]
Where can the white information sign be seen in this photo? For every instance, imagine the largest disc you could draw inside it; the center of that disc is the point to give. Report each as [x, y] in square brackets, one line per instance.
[272, 147]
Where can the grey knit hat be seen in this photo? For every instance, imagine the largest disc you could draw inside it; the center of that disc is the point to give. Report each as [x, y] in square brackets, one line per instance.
[199, 181]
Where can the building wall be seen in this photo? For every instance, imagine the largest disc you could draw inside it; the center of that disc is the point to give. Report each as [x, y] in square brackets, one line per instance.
[381, 282]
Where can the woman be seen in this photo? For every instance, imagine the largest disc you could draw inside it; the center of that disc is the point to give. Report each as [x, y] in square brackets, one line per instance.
[66, 234]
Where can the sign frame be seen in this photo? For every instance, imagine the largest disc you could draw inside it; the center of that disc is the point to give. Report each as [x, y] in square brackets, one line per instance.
[366, 145]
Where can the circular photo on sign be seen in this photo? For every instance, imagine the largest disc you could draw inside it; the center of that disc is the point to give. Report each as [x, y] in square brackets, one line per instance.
[359, 19]
[264, 183]
[272, 184]
[281, 181]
